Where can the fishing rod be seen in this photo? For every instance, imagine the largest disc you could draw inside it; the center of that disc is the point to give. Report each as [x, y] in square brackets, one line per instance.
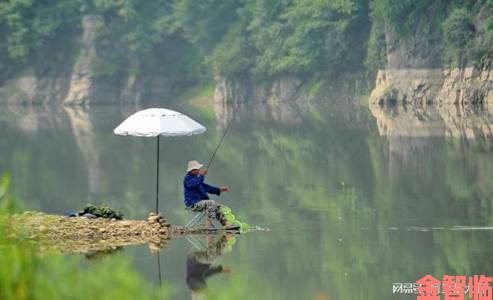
[219, 144]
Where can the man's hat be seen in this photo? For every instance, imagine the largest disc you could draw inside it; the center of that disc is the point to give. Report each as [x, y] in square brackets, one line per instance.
[194, 165]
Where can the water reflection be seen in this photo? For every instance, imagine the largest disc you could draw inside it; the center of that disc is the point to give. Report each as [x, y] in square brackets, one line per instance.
[331, 181]
[201, 264]
[429, 120]
[439, 152]
[83, 131]
[31, 119]
[288, 114]
[100, 254]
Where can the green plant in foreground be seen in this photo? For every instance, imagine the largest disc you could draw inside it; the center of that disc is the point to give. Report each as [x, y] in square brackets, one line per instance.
[25, 274]
[8, 203]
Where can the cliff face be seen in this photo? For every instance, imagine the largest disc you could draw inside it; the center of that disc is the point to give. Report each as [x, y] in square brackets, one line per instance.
[236, 90]
[82, 83]
[415, 71]
[30, 87]
[284, 99]
[342, 88]
[469, 85]
[78, 83]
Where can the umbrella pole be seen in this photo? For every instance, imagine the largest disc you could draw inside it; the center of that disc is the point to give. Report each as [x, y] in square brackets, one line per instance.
[159, 268]
[157, 177]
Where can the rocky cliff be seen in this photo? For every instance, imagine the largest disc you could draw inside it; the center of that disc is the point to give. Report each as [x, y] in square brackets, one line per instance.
[469, 85]
[79, 82]
[284, 99]
[415, 71]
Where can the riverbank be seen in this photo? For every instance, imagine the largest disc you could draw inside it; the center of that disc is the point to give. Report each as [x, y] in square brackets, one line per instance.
[60, 234]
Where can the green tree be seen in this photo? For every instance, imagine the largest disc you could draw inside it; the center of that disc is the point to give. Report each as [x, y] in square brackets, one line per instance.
[28, 29]
[206, 22]
[458, 31]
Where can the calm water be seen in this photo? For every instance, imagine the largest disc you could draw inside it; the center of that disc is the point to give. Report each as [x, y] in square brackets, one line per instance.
[356, 198]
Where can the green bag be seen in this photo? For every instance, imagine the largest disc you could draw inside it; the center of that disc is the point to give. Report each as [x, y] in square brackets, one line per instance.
[230, 217]
[102, 212]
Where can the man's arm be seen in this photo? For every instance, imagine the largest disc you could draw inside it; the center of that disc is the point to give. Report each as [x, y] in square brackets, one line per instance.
[212, 189]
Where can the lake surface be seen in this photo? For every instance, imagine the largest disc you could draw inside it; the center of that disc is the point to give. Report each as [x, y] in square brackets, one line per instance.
[356, 198]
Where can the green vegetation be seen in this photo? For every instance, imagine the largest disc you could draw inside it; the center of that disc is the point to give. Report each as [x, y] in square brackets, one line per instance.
[233, 38]
[30, 30]
[260, 39]
[27, 275]
[137, 37]
[458, 30]
[405, 16]
[8, 204]
[271, 38]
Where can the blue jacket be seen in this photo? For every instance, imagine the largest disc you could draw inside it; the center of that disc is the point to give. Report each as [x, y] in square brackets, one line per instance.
[195, 189]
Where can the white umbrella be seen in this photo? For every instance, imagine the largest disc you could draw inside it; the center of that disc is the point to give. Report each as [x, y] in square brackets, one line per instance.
[158, 122]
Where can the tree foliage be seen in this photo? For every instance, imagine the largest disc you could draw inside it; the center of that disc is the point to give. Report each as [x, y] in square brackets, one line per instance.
[458, 30]
[28, 29]
[261, 38]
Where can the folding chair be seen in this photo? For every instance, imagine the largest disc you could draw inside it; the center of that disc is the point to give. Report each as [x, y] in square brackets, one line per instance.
[195, 219]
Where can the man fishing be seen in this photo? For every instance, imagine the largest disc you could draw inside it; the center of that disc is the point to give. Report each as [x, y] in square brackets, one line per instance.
[196, 194]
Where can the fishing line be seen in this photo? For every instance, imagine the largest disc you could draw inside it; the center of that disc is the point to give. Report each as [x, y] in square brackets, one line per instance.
[220, 143]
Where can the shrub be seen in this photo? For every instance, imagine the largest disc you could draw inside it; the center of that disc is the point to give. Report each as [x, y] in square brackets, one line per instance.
[458, 30]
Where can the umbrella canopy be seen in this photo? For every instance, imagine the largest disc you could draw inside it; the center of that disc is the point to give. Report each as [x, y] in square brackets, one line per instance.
[156, 122]
[153, 122]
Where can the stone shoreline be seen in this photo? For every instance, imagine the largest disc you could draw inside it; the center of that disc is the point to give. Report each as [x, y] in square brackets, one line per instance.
[54, 233]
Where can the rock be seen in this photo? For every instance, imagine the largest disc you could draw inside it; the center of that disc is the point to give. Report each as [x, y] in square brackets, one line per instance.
[153, 219]
[89, 216]
[83, 235]
[153, 247]
[82, 80]
[438, 86]
[163, 222]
